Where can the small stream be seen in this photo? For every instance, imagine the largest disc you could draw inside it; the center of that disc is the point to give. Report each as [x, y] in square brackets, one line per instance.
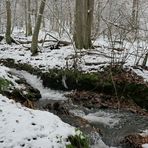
[114, 124]
[35, 82]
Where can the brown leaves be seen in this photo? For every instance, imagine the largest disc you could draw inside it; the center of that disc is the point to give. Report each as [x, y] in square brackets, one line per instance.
[29, 104]
[99, 100]
[135, 140]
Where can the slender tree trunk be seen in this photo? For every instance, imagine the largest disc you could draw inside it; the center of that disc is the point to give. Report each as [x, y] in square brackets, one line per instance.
[29, 26]
[25, 8]
[8, 25]
[145, 60]
[36, 10]
[83, 23]
[98, 19]
[14, 15]
[135, 9]
[70, 17]
[0, 18]
[34, 45]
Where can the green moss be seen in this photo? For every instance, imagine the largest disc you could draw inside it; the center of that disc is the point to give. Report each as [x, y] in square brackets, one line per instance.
[4, 84]
[78, 141]
[74, 79]
[88, 81]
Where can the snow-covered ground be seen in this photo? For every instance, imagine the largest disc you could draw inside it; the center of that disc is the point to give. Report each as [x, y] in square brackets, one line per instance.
[23, 127]
[89, 60]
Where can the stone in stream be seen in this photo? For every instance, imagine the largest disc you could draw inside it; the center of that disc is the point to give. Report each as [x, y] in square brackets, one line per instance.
[56, 106]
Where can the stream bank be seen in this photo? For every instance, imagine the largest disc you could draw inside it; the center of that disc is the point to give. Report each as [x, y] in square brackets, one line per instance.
[81, 110]
[115, 81]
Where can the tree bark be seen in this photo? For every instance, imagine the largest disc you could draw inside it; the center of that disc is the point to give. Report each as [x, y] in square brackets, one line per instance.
[29, 26]
[83, 23]
[14, 15]
[8, 25]
[34, 45]
[135, 10]
[25, 8]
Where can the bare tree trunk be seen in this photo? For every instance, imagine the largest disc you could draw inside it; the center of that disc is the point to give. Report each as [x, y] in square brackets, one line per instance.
[14, 15]
[34, 45]
[36, 9]
[29, 26]
[25, 8]
[98, 19]
[8, 27]
[70, 17]
[78, 27]
[145, 60]
[83, 23]
[0, 18]
[89, 4]
[135, 9]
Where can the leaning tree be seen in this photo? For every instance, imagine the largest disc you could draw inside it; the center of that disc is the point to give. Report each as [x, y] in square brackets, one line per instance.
[34, 45]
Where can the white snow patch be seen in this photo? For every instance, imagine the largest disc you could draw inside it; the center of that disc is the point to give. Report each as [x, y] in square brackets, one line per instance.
[143, 73]
[4, 74]
[144, 133]
[20, 126]
[145, 145]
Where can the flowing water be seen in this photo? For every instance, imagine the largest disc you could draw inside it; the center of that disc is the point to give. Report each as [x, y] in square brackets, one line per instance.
[114, 124]
[36, 83]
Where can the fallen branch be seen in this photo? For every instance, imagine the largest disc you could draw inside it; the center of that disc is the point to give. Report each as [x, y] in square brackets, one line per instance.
[64, 43]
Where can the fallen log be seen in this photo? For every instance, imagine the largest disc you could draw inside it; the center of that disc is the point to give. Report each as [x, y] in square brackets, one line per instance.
[63, 43]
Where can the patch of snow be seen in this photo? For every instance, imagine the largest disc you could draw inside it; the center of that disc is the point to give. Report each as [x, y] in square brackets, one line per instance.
[4, 73]
[145, 145]
[23, 127]
[144, 133]
[143, 73]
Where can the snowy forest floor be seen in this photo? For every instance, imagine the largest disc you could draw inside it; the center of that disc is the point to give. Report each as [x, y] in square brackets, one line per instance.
[44, 128]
